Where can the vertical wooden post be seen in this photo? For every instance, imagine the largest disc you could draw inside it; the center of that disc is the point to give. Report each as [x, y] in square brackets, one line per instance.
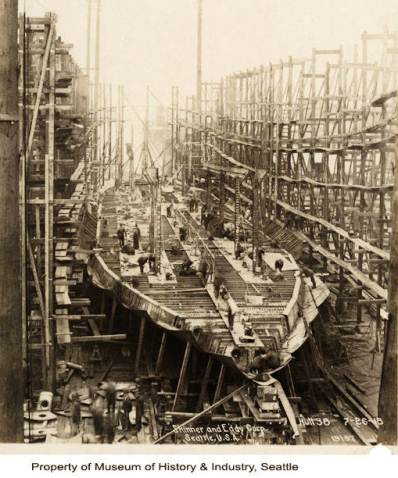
[308, 377]
[237, 211]
[88, 40]
[112, 317]
[222, 196]
[199, 61]
[220, 383]
[173, 126]
[88, 72]
[139, 346]
[205, 382]
[22, 184]
[131, 160]
[162, 349]
[131, 322]
[146, 131]
[110, 126]
[121, 164]
[388, 389]
[49, 219]
[182, 375]
[103, 144]
[11, 375]
[96, 89]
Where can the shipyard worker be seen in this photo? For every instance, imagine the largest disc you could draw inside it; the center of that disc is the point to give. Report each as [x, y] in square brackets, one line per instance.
[183, 234]
[223, 293]
[202, 271]
[238, 251]
[207, 219]
[109, 429]
[169, 210]
[97, 412]
[151, 232]
[75, 414]
[110, 395]
[186, 268]
[121, 235]
[264, 362]
[136, 237]
[307, 272]
[186, 264]
[142, 260]
[139, 410]
[219, 230]
[218, 283]
[127, 407]
[232, 311]
[260, 256]
[227, 233]
[203, 213]
[277, 276]
[152, 262]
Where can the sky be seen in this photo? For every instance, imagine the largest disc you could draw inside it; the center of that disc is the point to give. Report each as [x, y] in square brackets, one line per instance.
[154, 41]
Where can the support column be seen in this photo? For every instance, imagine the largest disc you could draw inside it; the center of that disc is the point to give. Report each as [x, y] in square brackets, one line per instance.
[182, 374]
[50, 335]
[11, 374]
[110, 126]
[237, 211]
[388, 390]
[112, 317]
[139, 346]
[220, 383]
[205, 382]
[222, 196]
[162, 349]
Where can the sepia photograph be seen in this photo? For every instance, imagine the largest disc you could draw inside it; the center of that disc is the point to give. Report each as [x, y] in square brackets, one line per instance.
[198, 224]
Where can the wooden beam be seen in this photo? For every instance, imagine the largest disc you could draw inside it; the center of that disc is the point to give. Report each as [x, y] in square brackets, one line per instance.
[99, 338]
[45, 336]
[11, 321]
[162, 349]
[183, 371]
[201, 414]
[205, 383]
[220, 383]
[140, 344]
[79, 317]
[40, 88]
[112, 317]
[289, 411]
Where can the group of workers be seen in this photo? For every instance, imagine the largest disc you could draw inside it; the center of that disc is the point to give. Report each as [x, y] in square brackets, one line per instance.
[122, 235]
[107, 415]
[193, 204]
[146, 258]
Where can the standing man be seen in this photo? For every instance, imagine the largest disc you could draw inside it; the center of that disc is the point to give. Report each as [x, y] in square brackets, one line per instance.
[110, 395]
[139, 410]
[232, 311]
[218, 283]
[203, 212]
[127, 407]
[136, 237]
[97, 411]
[121, 235]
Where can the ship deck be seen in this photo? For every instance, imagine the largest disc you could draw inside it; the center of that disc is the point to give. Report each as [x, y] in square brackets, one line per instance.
[269, 305]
